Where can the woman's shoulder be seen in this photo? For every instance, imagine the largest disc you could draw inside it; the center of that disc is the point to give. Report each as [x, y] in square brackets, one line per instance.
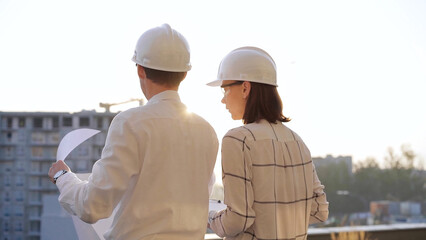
[235, 132]
[264, 130]
[246, 132]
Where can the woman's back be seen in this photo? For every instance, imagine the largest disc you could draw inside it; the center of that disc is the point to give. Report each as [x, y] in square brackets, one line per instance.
[269, 183]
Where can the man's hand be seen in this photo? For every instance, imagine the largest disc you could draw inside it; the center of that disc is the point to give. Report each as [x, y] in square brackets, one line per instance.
[56, 167]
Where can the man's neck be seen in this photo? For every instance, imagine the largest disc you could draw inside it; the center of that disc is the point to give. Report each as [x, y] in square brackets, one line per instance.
[155, 89]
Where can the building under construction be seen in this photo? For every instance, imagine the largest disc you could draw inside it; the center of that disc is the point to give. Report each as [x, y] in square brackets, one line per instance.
[28, 145]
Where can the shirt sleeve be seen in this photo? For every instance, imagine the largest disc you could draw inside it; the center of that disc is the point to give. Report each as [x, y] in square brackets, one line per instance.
[239, 214]
[319, 208]
[96, 198]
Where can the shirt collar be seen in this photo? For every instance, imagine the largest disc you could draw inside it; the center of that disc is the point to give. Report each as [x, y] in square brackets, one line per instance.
[263, 121]
[165, 95]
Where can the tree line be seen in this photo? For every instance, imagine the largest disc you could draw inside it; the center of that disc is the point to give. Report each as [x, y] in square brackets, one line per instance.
[402, 178]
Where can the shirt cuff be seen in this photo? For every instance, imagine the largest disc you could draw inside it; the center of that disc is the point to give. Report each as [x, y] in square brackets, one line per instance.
[61, 181]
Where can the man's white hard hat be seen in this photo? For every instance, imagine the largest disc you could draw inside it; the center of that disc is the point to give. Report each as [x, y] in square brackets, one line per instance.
[163, 48]
[250, 64]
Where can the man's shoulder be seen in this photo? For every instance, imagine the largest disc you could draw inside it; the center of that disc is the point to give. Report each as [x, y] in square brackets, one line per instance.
[131, 117]
[140, 112]
[152, 112]
[196, 119]
[129, 113]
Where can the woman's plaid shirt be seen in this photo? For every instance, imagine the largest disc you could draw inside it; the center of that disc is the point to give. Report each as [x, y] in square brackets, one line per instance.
[271, 187]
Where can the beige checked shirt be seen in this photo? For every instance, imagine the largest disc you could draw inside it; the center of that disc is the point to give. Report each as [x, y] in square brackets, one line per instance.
[271, 187]
[156, 164]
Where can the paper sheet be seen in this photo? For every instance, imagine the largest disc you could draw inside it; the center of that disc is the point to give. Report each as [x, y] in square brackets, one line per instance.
[99, 228]
[72, 140]
[216, 205]
[68, 143]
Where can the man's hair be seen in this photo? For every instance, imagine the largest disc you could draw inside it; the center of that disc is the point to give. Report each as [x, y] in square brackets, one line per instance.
[263, 102]
[160, 77]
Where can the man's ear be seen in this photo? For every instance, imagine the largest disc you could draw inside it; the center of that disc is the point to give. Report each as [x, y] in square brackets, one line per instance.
[141, 72]
[246, 89]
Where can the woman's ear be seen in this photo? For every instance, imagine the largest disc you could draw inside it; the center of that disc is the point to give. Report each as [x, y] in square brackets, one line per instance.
[246, 89]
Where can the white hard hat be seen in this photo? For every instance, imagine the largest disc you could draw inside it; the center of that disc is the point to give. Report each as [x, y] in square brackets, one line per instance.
[250, 64]
[163, 48]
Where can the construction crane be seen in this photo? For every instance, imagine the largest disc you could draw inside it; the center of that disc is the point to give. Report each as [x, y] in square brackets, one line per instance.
[108, 105]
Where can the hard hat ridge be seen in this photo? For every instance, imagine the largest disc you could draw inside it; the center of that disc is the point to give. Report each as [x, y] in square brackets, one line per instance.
[163, 48]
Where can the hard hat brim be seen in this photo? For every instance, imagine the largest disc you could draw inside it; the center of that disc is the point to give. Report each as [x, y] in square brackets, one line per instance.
[218, 83]
[215, 83]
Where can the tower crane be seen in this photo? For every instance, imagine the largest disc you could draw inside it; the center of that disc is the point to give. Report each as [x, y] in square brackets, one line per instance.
[108, 105]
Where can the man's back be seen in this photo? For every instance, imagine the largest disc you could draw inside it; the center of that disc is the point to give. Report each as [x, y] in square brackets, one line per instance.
[178, 150]
[156, 165]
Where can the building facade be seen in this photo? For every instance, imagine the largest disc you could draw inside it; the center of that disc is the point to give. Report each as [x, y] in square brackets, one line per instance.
[329, 159]
[28, 145]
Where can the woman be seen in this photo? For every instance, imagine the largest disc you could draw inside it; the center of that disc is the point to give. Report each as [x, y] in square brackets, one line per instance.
[271, 187]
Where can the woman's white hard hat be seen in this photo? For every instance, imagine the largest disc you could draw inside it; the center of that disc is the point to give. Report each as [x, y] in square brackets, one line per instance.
[250, 64]
[163, 48]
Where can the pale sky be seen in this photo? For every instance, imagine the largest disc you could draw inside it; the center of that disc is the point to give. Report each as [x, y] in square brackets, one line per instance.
[352, 74]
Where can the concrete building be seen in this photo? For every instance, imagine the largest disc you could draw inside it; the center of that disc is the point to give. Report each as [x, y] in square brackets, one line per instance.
[329, 159]
[28, 145]
[55, 220]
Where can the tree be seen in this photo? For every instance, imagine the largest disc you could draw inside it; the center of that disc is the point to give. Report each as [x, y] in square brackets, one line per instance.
[366, 180]
[335, 177]
[402, 179]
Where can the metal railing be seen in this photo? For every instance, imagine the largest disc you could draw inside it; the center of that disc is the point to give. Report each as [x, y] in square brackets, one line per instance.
[403, 231]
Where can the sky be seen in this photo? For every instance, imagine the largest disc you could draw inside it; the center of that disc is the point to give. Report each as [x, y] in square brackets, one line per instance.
[351, 74]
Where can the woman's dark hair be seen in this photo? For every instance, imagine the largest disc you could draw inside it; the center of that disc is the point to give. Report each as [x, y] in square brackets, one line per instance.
[263, 102]
[164, 77]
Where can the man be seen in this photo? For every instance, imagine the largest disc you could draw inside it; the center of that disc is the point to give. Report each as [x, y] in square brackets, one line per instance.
[157, 160]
